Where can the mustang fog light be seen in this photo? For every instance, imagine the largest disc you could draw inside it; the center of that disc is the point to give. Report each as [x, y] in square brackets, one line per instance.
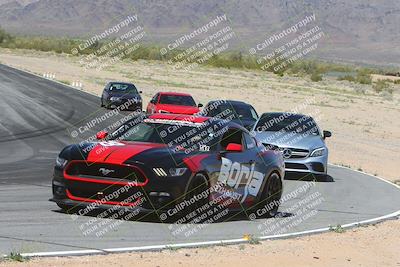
[58, 188]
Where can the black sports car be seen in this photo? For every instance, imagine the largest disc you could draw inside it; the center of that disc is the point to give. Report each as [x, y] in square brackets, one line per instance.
[165, 160]
[123, 95]
[240, 112]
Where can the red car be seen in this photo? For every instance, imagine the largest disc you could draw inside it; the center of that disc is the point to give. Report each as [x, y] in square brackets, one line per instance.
[169, 102]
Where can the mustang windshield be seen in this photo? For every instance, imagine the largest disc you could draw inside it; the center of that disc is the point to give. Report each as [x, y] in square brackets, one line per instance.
[194, 136]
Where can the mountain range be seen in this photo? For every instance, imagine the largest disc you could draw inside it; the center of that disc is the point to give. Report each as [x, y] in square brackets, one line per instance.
[355, 30]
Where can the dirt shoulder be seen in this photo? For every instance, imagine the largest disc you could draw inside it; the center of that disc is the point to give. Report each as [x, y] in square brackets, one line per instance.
[375, 245]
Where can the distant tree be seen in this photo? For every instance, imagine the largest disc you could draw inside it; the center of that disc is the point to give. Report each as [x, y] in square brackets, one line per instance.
[364, 76]
[316, 77]
[4, 36]
[380, 86]
[349, 78]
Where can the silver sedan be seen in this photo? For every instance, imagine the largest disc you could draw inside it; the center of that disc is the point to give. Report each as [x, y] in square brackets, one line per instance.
[298, 138]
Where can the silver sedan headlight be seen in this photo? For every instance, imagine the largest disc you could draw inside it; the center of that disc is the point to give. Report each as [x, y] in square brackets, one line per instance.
[318, 152]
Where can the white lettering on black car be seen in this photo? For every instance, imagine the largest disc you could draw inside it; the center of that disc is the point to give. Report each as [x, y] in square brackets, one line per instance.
[233, 174]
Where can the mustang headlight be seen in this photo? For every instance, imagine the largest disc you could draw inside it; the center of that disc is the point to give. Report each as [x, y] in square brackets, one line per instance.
[318, 152]
[114, 98]
[61, 162]
[177, 171]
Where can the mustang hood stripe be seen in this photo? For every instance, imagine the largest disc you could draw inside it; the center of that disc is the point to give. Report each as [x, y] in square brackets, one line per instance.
[118, 154]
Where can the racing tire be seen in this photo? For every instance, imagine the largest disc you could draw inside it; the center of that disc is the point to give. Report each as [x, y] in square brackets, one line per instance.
[323, 178]
[270, 196]
[198, 185]
[69, 209]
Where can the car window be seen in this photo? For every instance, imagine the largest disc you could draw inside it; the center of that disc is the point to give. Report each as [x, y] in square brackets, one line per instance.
[107, 87]
[154, 99]
[250, 142]
[243, 111]
[123, 88]
[182, 100]
[301, 124]
[254, 114]
[151, 131]
[233, 135]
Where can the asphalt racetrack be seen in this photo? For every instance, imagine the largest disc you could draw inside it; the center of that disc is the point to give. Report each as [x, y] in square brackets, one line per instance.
[38, 118]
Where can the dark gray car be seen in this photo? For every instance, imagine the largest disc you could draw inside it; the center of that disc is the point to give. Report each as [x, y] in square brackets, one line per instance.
[121, 94]
[238, 112]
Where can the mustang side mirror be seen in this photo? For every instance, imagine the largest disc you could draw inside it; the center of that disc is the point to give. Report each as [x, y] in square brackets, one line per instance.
[101, 135]
[199, 105]
[327, 134]
[232, 147]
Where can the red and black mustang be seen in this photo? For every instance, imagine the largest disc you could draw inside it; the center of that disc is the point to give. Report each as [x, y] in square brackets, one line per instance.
[167, 159]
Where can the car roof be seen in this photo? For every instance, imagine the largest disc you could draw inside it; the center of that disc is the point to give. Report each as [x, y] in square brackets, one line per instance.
[120, 82]
[174, 93]
[189, 119]
[179, 117]
[232, 102]
[281, 113]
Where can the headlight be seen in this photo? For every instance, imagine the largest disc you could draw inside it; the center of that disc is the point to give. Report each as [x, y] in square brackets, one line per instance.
[177, 171]
[61, 162]
[114, 98]
[162, 111]
[318, 152]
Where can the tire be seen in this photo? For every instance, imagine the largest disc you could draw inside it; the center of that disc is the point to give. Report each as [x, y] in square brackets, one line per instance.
[197, 186]
[70, 209]
[101, 104]
[270, 195]
[322, 178]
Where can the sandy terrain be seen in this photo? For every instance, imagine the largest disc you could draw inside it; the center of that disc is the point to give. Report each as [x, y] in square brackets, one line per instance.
[377, 77]
[366, 135]
[369, 246]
